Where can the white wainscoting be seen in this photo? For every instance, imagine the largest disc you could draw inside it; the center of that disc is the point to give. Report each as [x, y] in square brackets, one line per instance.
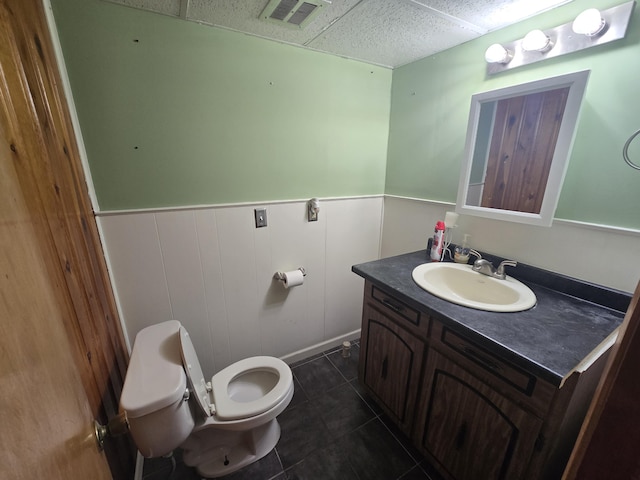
[213, 270]
[598, 254]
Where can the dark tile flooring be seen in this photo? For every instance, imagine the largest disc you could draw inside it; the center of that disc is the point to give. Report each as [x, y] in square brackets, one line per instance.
[330, 430]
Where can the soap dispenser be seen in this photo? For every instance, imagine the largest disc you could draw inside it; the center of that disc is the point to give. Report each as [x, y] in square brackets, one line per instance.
[461, 253]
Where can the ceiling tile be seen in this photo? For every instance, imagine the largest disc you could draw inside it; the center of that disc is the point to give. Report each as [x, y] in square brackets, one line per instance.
[492, 14]
[391, 33]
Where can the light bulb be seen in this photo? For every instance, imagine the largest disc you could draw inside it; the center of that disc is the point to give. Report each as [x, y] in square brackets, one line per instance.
[496, 53]
[536, 41]
[589, 23]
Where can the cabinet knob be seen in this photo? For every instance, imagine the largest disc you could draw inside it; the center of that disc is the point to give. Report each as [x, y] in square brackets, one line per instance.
[461, 436]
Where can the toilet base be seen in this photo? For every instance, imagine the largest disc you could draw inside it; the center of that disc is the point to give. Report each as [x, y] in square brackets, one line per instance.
[215, 453]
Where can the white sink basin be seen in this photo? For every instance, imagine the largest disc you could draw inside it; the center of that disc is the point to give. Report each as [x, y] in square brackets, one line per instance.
[459, 284]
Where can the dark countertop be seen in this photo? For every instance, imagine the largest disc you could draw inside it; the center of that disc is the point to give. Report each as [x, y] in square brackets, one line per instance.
[569, 321]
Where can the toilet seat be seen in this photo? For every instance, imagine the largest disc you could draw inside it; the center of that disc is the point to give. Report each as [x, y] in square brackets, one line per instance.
[215, 399]
[195, 378]
[229, 409]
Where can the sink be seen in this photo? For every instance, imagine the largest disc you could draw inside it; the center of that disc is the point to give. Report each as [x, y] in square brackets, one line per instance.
[459, 284]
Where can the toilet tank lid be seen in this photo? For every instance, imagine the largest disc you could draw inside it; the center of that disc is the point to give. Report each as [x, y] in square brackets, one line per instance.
[155, 377]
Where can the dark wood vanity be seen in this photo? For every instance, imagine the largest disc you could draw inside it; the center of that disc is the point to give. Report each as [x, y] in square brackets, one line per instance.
[473, 404]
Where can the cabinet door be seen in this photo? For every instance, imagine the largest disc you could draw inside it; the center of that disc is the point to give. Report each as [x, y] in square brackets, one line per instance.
[391, 367]
[472, 431]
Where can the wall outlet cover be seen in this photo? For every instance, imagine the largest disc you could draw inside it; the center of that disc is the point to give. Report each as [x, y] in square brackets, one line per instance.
[261, 217]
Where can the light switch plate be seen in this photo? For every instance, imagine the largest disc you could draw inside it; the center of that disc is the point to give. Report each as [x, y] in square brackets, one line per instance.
[261, 217]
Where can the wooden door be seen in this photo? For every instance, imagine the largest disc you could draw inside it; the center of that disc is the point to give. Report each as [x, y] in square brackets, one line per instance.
[523, 142]
[63, 355]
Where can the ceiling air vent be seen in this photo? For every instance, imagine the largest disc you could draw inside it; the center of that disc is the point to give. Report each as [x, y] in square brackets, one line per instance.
[292, 13]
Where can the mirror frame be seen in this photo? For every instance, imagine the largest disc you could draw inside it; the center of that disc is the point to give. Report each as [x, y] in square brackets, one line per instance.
[576, 82]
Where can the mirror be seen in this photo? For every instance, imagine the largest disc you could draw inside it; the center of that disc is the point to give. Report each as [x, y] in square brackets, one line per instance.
[519, 140]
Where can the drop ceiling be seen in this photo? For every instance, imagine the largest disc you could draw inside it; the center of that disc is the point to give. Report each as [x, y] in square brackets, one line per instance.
[388, 33]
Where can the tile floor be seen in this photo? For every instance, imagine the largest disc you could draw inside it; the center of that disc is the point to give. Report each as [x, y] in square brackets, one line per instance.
[330, 430]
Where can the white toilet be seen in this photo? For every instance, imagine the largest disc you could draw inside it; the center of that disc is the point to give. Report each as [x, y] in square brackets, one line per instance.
[223, 425]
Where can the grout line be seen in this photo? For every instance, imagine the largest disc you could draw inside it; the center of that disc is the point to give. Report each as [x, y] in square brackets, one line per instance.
[301, 388]
[306, 361]
[375, 415]
[296, 464]
[275, 449]
[340, 371]
[417, 461]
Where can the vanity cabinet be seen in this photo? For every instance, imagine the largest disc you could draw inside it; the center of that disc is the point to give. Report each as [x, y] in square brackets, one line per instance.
[467, 408]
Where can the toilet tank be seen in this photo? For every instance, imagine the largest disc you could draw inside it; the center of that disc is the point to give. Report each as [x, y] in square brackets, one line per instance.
[160, 419]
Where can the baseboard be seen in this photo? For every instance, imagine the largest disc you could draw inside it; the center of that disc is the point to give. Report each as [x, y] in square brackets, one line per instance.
[139, 467]
[320, 347]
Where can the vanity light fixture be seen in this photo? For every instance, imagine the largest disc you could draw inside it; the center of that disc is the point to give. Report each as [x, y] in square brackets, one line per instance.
[589, 23]
[589, 29]
[496, 53]
[536, 41]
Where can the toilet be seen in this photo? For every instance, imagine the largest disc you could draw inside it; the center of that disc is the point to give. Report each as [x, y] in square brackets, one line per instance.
[221, 425]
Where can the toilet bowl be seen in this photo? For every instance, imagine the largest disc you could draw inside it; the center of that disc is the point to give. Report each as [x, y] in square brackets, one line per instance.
[221, 425]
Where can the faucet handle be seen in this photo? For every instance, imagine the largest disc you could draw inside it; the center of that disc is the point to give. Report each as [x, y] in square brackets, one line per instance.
[475, 254]
[505, 263]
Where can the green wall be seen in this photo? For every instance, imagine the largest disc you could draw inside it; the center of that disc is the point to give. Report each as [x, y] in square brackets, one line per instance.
[430, 102]
[175, 113]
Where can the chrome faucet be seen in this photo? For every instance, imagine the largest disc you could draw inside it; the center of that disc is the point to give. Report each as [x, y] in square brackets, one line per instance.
[485, 267]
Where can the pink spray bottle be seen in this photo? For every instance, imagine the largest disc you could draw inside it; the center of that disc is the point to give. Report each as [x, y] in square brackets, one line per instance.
[438, 242]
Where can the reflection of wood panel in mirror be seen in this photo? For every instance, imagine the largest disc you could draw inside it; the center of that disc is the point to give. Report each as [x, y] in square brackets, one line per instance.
[522, 148]
[544, 130]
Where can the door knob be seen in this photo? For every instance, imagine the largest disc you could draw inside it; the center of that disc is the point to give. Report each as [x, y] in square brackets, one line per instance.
[118, 425]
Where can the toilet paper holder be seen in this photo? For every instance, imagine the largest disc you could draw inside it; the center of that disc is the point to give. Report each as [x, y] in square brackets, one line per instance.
[280, 275]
